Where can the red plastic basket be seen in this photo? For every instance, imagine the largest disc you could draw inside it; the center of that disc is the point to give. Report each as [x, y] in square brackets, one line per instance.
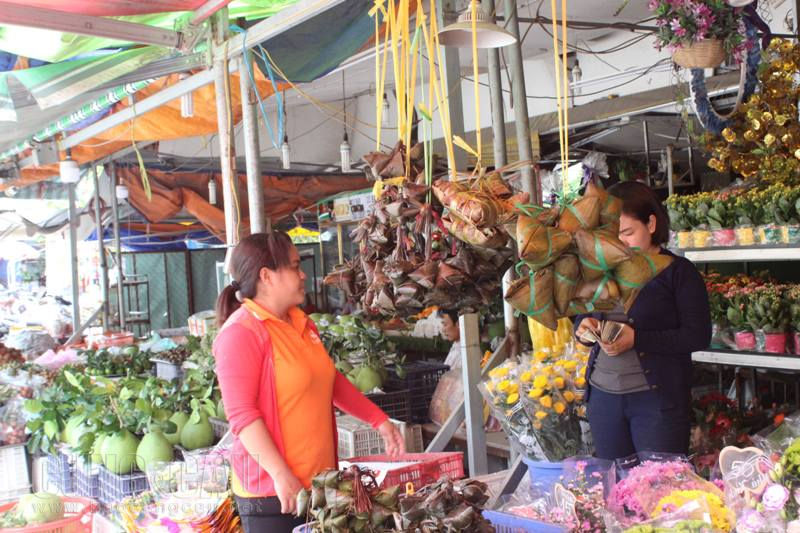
[428, 467]
[77, 518]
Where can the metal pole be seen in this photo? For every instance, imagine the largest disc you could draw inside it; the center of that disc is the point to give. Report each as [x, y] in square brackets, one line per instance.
[255, 188]
[496, 98]
[670, 184]
[445, 14]
[646, 148]
[691, 155]
[521, 121]
[473, 401]
[339, 243]
[100, 249]
[73, 258]
[117, 246]
[222, 90]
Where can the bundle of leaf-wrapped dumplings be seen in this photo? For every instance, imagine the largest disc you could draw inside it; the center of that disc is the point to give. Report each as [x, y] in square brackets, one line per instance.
[572, 262]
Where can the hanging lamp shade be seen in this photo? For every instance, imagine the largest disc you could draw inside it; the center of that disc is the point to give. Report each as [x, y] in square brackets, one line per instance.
[490, 35]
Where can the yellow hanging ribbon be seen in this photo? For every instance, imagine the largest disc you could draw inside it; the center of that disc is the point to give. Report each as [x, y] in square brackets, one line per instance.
[562, 88]
[474, 8]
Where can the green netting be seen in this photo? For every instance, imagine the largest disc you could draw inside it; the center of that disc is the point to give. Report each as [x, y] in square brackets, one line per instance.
[204, 277]
[177, 289]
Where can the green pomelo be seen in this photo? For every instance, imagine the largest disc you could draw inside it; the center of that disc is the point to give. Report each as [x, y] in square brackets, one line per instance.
[154, 448]
[179, 419]
[199, 435]
[368, 378]
[120, 452]
[40, 508]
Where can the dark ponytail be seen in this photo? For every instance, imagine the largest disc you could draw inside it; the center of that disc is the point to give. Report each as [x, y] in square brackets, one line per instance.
[254, 252]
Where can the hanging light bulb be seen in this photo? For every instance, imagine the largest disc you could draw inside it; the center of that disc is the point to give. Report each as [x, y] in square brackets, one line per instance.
[386, 110]
[69, 171]
[577, 74]
[344, 151]
[286, 156]
[212, 191]
[187, 101]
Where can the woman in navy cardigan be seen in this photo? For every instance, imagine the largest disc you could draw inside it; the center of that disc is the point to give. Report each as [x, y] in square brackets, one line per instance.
[639, 387]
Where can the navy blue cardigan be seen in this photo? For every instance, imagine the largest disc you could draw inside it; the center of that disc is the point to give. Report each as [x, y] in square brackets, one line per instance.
[671, 319]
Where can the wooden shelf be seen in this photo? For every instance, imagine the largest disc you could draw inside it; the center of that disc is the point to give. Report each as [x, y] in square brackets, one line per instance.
[749, 359]
[740, 254]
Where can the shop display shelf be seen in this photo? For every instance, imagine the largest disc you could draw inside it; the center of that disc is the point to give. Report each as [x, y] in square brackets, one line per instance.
[421, 379]
[396, 404]
[739, 254]
[749, 359]
[14, 466]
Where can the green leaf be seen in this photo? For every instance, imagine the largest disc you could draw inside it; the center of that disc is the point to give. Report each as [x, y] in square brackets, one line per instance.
[194, 418]
[125, 394]
[142, 406]
[73, 380]
[50, 429]
[33, 406]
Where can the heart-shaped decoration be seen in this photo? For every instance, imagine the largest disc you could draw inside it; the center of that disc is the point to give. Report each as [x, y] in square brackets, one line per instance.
[739, 3]
[565, 500]
[745, 469]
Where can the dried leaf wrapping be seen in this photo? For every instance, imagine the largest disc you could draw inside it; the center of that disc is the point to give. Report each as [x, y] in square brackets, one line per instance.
[469, 233]
[532, 295]
[538, 244]
[449, 277]
[474, 207]
[632, 275]
[445, 190]
[567, 275]
[425, 275]
[610, 205]
[599, 251]
[597, 290]
[581, 214]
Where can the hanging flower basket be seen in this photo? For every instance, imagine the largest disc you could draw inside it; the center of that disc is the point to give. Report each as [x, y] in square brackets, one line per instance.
[708, 53]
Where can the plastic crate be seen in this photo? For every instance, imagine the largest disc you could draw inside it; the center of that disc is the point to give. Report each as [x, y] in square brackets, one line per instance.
[78, 518]
[509, 523]
[14, 466]
[220, 426]
[13, 495]
[87, 479]
[421, 379]
[166, 370]
[358, 438]
[114, 488]
[60, 472]
[427, 468]
[396, 404]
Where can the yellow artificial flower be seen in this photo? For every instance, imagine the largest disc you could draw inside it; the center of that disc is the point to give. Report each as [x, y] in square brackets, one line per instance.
[504, 385]
[581, 411]
[540, 356]
[547, 370]
[512, 398]
[526, 376]
[559, 407]
[513, 388]
[490, 386]
[570, 365]
[499, 372]
[540, 382]
[546, 401]
[580, 382]
[535, 393]
[569, 396]
[541, 415]
[559, 383]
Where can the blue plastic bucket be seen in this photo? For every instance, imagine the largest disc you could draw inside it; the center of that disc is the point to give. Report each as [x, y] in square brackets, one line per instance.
[544, 474]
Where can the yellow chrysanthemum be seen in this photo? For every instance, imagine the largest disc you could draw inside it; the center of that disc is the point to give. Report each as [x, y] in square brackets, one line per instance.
[512, 398]
[535, 393]
[541, 415]
[499, 372]
[547, 370]
[581, 411]
[526, 376]
[569, 396]
[546, 401]
[580, 382]
[559, 383]
[504, 385]
[540, 382]
[540, 356]
[559, 407]
[514, 387]
[570, 365]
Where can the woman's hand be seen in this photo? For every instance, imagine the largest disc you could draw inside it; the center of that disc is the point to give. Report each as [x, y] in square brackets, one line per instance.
[286, 487]
[392, 439]
[623, 343]
[590, 324]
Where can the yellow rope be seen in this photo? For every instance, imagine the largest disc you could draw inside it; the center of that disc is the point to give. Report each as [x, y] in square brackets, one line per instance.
[557, 72]
[474, 8]
[565, 85]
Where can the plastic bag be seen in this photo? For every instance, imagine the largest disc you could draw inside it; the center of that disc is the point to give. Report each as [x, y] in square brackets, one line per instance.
[156, 344]
[544, 338]
[775, 439]
[31, 341]
[12, 423]
[53, 361]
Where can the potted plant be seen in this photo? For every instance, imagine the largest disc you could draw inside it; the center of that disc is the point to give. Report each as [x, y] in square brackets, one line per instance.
[737, 299]
[782, 203]
[744, 208]
[792, 296]
[718, 304]
[722, 219]
[699, 33]
[768, 315]
[679, 220]
[769, 230]
[699, 205]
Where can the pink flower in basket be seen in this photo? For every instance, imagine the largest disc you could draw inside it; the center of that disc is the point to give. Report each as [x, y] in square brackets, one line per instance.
[775, 497]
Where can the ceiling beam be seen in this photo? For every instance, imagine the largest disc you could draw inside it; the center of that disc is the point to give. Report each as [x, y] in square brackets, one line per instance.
[36, 17]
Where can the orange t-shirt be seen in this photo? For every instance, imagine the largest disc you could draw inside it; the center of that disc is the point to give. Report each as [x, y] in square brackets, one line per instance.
[304, 377]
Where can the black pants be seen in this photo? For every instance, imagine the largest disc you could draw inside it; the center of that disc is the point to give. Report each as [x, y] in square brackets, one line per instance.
[263, 515]
[623, 424]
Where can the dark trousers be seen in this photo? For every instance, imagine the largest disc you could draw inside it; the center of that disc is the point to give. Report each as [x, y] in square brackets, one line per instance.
[623, 424]
[263, 515]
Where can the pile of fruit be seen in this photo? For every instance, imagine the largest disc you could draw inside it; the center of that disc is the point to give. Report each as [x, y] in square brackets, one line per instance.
[361, 351]
[33, 510]
[127, 361]
[176, 356]
[10, 355]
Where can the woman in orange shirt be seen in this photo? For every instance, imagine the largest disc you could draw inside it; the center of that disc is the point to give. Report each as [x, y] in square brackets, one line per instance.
[279, 385]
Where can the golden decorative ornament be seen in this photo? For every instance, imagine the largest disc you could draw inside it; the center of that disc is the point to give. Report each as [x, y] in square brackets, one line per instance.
[780, 120]
[750, 135]
[769, 139]
[756, 125]
[729, 135]
[766, 116]
[797, 153]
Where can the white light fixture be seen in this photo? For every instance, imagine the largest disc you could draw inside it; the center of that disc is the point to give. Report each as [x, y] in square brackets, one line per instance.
[344, 151]
[385, 121]
[187, 101]
[577, 74]
[286, 156]
[212, 191]
[489, 34]
[121, 192]
[69, 171]
[11, 191]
